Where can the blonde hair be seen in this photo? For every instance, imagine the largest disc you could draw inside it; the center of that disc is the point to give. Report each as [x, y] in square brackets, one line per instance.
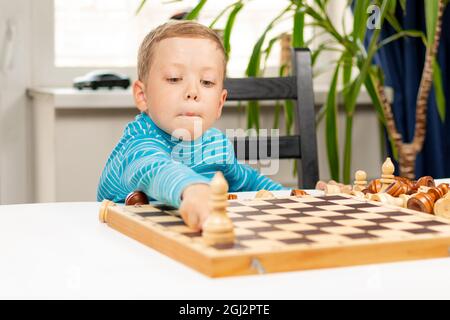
[172, 29]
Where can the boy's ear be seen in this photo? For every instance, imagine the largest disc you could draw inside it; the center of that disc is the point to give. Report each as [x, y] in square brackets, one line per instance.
[223, 97]
[139, 95]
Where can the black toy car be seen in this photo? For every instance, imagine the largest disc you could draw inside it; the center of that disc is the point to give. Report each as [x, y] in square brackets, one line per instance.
[101, 79]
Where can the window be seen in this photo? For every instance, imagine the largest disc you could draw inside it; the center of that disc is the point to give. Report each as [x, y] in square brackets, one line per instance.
[107, 33]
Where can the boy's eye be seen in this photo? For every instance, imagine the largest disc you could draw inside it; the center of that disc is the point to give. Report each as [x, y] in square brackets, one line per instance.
[173, 80]
[207, 83]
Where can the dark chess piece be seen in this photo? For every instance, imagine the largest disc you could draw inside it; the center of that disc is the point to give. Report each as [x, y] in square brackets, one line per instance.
[136, 198]
[232, 196]
[410, 185]
[426, 181]
[397, 188]
[298, 192]
[373, 187]
[424, 201]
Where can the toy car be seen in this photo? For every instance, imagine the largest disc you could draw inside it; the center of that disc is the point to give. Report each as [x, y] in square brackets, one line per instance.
[98, 79]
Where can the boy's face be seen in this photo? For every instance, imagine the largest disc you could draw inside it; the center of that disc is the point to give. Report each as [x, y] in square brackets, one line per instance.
[183, 95]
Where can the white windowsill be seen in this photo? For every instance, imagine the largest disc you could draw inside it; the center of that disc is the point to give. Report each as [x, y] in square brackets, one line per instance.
[70, 98]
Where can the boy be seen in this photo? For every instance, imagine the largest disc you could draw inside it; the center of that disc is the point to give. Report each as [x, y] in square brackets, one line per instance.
[170, 152]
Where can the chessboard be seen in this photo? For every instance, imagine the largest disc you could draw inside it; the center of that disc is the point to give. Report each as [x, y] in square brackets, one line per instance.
[290, 233]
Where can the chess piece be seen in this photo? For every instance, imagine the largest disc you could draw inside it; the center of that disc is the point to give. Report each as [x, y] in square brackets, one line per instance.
[410, 185]
[218, 227]
[396, 188]
[358, 194]
[426, 181]
[369, 195]
[405, 198]
[264, 194]
[347, 189]
[387, 176]
[321, 185]
[442, 206]
[424, 201]
[387, 198]
[332, 189]
[423, 189]
[298, 192]
[136, 198]
[373, 187]
[360, 182]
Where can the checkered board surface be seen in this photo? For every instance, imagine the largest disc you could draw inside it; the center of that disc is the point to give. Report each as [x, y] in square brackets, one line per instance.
[265, 228]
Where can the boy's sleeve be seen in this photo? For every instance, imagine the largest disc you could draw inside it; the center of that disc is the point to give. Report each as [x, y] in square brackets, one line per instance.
[150, 168]
[242, 177]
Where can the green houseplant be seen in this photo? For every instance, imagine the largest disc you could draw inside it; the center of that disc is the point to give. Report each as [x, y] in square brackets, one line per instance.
[353, 70]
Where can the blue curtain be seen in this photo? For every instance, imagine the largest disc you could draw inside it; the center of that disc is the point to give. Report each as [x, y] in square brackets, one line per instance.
[402, 62]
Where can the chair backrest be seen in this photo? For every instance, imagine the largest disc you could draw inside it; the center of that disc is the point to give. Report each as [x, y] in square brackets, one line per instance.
[299, 87]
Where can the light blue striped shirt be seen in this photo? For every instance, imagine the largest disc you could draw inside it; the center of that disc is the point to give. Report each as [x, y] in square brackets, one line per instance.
[150, 160]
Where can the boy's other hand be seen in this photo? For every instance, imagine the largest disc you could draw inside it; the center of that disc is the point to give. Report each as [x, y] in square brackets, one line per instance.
[194, 208]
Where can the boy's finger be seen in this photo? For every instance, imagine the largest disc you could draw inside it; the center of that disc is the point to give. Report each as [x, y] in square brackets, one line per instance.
[203, 220]
[192, 220]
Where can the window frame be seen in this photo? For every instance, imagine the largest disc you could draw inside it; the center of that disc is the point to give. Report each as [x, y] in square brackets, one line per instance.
[46, 74]
[44, 71]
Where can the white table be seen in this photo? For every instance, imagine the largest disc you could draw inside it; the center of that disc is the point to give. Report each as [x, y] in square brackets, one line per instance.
[62, 251]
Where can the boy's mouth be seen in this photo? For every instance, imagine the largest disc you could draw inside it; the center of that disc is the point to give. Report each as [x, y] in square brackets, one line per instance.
[189, 114]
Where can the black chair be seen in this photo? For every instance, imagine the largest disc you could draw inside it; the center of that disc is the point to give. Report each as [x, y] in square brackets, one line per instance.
[301, 146]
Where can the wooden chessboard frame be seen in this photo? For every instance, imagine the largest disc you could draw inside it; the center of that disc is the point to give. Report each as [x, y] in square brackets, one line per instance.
[214, 263]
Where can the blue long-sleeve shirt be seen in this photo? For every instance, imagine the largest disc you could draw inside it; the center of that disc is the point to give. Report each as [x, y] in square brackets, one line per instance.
[150, 160]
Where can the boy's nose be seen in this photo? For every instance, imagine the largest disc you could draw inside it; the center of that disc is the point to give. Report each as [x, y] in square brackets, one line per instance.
[191, 91]
[191, 95]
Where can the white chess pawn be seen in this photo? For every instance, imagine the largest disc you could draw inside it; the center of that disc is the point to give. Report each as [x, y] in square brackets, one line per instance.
[360, 182]
[387, 176]
[218, 227]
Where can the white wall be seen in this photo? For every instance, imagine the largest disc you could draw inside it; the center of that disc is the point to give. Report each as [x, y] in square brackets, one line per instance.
[15, 152]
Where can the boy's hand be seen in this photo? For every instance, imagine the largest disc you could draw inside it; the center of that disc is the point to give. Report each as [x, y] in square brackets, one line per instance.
[194, 208]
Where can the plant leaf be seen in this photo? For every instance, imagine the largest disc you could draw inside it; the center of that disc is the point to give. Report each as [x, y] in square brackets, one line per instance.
[289, 115]
[393, 21]
[141, 5]
[196, 11]
[403, 5]
[212, 24]
[253, 66]
[370, 86]
[331, 128]
[347, 149]
[364, 64]
[359, 19]
[229, 27]
[401, 34]
[253, 115]
[298, 40]
[276, 118]
[438, 89]
[268, 50]
[431, 11]
[392, 6]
